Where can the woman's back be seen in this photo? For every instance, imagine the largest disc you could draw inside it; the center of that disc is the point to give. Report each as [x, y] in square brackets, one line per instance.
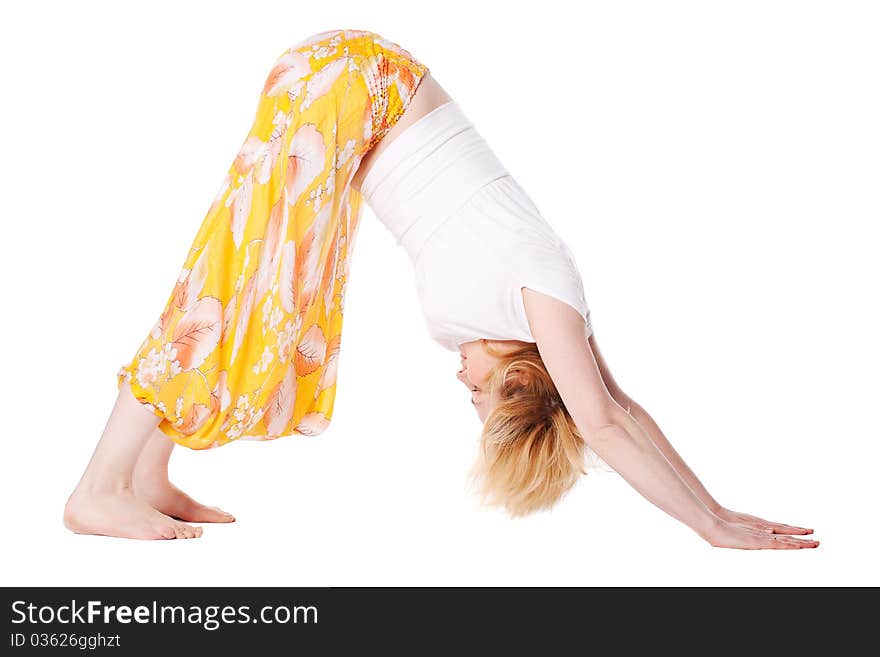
[474, 236]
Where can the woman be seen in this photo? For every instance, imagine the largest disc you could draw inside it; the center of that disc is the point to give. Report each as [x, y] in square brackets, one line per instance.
[247, 346]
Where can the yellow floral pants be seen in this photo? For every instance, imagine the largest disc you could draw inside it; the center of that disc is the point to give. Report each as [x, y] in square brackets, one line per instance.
[248, 343]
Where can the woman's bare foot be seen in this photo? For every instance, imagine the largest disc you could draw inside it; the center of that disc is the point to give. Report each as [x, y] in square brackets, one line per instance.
[150, 483]
[117, 512]
[164, 496]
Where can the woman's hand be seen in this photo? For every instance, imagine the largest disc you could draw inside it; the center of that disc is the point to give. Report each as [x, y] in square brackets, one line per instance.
[753, 522]
[732, 535]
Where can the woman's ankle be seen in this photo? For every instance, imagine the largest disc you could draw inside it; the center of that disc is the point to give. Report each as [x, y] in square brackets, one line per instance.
[144, 476]
[103, 485]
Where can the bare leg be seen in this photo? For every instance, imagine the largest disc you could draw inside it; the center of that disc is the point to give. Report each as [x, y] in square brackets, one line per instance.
[151, 484]
[104, 501]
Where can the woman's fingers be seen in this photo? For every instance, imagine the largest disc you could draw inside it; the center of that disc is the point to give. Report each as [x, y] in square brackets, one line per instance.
[766, 525]
[782, 542]
[782, 528]
[774, 527]
[760, 526]
[737, 535]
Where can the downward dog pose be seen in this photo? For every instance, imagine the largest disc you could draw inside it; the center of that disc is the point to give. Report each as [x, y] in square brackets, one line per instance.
[248, 344]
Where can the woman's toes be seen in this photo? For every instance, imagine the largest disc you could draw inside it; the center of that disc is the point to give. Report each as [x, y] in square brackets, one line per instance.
[216, 514]
[190, 531]
[173, 502]
[168, 532]
[202, 513]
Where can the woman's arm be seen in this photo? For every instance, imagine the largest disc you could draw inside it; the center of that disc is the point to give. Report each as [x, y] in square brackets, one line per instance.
[653, 430]
[608, 429]
[684, 471]
[623, 444]
[662, 443]
[560, 334]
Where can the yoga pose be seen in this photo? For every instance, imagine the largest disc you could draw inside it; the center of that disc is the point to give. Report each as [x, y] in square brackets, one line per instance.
[248, 344]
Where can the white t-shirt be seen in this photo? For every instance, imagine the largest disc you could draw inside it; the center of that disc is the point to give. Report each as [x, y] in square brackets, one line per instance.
[474, 236]
[470, 271]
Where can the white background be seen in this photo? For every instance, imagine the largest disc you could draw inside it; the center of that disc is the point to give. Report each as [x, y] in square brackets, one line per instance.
[713, 166]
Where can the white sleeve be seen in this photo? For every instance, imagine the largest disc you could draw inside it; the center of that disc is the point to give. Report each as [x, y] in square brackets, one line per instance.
[551, 271]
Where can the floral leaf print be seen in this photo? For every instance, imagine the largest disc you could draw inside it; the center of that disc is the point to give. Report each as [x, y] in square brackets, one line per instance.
[304, 255]
[351, 224]
[270, 252]
[265, 360]
[312, 424]
[243, 417]
[323, 106]
[294, 93]
[189, 289]
[288, 271]
[264, 168]
[276, 142]
[224, 187]
[162, 324]
[197, 415]
[328, 376]
[328, 280]
[244, 315]
[289, 69]
[306, 157]
[177, 300]
[279, 409]
[250, 153]
[220, 397]
[315, 38]
[390, 45]
[310, 352]
[152, 369]
[228, 315]
[240, 202]
[287, 337]
[313, 242]
[322, 81]
[197, 333]
[374, 76]
[358, 34]
[179, 295]
[367, 121]
[404, 80]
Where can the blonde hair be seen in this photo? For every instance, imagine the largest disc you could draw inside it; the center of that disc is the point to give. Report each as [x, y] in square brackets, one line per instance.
[531, 451]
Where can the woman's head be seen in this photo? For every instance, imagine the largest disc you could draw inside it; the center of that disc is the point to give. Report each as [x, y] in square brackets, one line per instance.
[531, 452]
[477, 364]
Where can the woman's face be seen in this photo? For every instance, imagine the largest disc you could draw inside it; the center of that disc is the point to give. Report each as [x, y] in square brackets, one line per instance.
[476, 364]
